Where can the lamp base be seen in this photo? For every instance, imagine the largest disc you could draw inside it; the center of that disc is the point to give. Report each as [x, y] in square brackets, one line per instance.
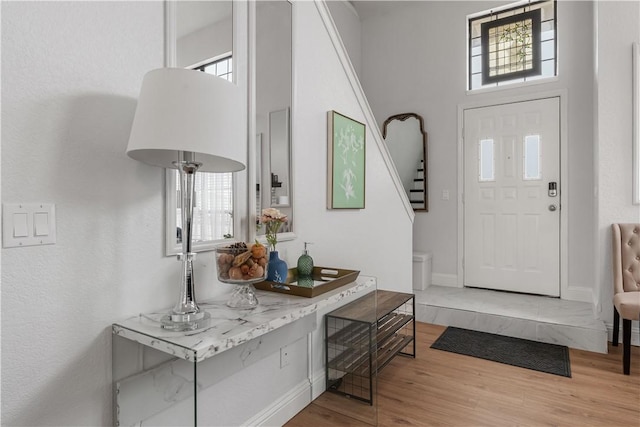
[185, 322]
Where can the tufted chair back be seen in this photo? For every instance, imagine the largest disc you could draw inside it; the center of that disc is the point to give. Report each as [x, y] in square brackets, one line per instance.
[626, 285]
[626, 257]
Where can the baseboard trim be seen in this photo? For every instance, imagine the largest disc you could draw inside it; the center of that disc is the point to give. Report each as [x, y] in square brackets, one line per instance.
[578, 293]
[440, 279]
[283, 409]
[318, 383]
[635, 333]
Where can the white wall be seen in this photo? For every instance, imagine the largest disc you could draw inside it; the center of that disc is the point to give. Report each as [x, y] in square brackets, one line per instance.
[375, 240]
[70, 74]
[348, 23]
[414, 60]
[618, 27]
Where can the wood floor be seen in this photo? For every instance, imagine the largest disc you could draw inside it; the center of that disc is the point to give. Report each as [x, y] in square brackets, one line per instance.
[441, 388]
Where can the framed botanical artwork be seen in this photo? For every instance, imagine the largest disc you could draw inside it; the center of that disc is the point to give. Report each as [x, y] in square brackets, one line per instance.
[346, 162]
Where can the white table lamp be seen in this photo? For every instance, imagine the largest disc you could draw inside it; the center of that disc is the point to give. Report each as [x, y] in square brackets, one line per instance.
[190, 121]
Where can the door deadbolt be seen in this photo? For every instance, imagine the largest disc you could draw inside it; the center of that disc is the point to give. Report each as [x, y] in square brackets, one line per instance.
[553, 189]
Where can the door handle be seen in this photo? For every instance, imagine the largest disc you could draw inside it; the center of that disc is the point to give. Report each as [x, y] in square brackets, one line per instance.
[552, 208]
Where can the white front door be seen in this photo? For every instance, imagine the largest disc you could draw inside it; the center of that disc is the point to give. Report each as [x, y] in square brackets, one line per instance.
[511, 218]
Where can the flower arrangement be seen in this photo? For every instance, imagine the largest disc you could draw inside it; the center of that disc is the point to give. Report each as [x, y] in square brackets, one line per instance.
[272, 219]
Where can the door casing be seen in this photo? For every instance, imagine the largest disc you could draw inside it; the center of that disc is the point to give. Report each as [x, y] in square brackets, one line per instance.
[565, 291]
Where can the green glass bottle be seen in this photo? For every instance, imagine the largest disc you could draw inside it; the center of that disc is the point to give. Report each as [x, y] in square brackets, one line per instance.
[305, 264]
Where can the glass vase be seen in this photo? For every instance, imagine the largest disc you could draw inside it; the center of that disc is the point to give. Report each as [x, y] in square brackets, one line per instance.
[277, 269]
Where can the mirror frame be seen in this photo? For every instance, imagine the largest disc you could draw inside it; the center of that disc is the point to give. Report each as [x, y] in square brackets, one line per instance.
[253, 169]
[244, 54]
[239, 53]
[402, 117]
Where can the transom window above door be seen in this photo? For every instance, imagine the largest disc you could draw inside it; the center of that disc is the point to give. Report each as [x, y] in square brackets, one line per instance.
[512, 44]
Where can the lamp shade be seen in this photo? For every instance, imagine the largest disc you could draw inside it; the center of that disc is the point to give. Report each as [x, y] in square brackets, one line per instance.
[185, 110]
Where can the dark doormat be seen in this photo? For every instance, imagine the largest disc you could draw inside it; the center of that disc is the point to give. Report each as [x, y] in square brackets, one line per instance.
[543, 357]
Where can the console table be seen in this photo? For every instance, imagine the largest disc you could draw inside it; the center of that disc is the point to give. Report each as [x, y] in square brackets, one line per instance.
[161, 376]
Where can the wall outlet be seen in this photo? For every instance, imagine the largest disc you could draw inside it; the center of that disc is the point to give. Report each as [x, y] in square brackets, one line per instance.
[445, 194]
[284, 357]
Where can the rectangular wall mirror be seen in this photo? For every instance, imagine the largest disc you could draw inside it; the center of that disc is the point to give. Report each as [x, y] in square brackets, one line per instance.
[200, 36]
[205, 35]
[273, 62]
[279, 158]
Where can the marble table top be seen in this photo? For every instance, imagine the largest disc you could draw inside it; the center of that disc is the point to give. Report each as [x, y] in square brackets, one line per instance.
[230, 327]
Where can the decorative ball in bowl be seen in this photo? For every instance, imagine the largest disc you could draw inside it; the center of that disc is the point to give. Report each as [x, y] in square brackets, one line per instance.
[242, 264]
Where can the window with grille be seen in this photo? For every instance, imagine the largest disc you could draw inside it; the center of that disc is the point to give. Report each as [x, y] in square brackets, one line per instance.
[214, 199]
[213, 206]
[222, 68]
[514, 44]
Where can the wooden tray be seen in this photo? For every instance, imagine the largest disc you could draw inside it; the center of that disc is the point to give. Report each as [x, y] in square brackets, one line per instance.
[325, 279]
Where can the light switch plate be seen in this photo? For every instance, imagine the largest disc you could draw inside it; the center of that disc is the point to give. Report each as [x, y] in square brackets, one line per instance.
[40, 224]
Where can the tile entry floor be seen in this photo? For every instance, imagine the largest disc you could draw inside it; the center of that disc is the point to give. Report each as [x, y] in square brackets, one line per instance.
[538, 318]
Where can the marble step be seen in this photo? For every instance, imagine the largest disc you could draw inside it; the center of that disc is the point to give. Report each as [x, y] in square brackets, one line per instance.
[532, 317]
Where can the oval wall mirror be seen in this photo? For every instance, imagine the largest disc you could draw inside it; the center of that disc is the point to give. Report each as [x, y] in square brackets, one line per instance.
[406, 141]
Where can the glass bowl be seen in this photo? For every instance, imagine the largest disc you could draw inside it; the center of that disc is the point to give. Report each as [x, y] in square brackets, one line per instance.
[242, 264]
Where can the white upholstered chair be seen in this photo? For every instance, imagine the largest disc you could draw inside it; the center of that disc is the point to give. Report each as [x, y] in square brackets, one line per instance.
[626, 284]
